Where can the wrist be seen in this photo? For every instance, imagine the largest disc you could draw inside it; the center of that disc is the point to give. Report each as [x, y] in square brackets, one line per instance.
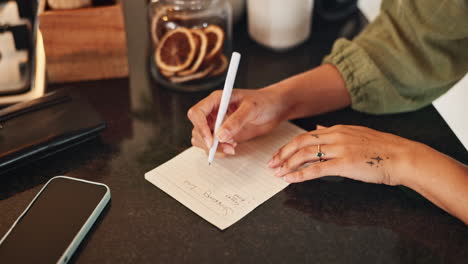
[413, 164]
[316, 91]
[278, 96]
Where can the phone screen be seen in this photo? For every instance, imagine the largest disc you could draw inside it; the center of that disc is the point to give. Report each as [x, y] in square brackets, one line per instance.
[46, 230]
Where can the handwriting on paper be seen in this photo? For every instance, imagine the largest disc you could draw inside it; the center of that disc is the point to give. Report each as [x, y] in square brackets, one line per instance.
[224, 205]
[230, 188]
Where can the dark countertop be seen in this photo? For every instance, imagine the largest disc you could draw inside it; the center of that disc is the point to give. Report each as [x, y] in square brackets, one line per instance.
[322, 221]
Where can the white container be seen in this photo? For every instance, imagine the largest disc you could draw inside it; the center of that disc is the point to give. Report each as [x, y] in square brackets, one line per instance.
[279, 24]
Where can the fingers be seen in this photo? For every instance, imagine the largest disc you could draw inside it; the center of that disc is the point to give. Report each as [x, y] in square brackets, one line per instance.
[236, 121]
[203, 114]
[251, 131]
[200, 124]
[316, 170]
[306, 155]
[226, 148]
[197, 142]
[299, 142]
[322, 135]
[204, 111]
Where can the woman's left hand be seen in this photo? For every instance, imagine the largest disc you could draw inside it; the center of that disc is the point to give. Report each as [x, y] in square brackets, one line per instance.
[354, 152]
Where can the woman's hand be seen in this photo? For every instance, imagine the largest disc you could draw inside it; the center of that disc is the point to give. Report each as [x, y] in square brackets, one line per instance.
[251, 113]
[256, 112]
[368, 155]
[350, 151]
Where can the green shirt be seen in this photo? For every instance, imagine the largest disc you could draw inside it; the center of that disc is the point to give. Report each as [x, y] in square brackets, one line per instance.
[411, 54]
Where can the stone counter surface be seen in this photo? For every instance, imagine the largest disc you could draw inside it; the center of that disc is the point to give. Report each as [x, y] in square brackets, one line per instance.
[331, 220]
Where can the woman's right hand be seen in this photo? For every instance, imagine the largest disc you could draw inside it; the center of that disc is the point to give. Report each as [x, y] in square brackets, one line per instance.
[251, 113]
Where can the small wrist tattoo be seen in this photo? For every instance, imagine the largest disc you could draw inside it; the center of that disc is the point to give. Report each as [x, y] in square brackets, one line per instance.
[377, 159]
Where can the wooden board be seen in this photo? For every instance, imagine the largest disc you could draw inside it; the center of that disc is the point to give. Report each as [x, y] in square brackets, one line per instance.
[84, 44]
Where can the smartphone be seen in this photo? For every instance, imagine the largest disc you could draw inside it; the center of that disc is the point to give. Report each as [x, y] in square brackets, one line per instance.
[55, 222]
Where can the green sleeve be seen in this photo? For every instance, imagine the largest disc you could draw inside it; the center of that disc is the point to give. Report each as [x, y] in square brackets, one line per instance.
[411, 54]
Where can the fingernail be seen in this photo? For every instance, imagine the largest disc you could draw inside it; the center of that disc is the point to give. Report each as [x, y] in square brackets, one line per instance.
[223, 135]
[285, 178]
[278, 171]
[270, 163]
[229, 150]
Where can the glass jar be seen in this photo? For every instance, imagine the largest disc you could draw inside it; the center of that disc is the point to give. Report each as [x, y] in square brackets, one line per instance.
[191, 42]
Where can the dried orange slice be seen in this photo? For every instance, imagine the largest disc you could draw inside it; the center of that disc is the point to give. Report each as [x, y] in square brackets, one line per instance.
[198, 75]
[215, 35]
[202, 43]
[176, 50]
[167, 73]
[157, 28]
[220, 65]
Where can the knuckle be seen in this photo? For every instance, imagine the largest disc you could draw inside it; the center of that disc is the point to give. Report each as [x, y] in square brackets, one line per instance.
[360, 127]
[190, 113]
[303, 138]
[340, 136]
[204, 132]
[303, 153]
[338, 127]
[231, 124]
[248, 103]
[216, 93]
[315, 169]
[299, 176]
[299, 153]
[310, 150]
[297, 141]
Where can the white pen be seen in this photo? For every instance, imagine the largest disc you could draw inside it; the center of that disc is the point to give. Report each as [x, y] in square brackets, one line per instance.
[225, 97]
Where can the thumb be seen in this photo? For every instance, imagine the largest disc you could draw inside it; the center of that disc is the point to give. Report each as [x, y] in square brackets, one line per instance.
[235, 122]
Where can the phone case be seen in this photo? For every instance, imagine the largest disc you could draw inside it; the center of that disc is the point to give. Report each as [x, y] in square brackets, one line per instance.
[35, 129]
[84, 229]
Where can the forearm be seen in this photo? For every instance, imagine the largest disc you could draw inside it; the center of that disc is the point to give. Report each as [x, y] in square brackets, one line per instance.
[441, 179]
[319, 90]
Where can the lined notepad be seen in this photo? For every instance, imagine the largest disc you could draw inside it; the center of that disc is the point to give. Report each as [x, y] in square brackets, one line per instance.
[231, 187]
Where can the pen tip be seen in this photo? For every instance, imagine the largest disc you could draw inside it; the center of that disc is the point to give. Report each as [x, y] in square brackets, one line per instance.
[209, 163]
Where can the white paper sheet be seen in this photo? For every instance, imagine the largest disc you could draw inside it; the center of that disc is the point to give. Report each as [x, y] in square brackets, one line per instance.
[231, 187]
